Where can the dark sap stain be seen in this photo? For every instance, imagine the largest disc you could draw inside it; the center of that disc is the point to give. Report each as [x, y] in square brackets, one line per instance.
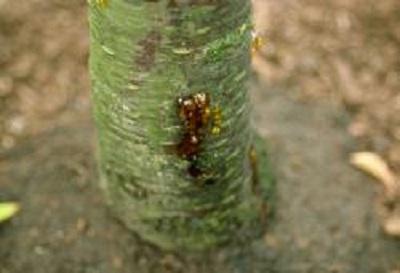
[182, 3]
[172, 4]
[254, 170]
[194, 113]
[194, 171]
[203, 2]
[209, 182]
[148, 47]
[255, 185]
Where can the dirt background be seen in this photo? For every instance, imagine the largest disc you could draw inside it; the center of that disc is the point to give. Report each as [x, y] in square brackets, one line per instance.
[329, 74]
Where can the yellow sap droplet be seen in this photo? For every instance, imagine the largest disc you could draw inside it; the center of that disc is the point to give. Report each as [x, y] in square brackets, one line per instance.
[102, 3]
[217, 121]
[253, 156]
[257, 43]
[215, 130]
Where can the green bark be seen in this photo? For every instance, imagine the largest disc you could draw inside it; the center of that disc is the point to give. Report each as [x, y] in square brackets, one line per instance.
[146, 58]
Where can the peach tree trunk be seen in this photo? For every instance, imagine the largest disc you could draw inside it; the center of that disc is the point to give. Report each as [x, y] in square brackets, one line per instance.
[178, 158]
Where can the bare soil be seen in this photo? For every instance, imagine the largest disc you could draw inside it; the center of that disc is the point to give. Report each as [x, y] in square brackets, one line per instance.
[326, 218]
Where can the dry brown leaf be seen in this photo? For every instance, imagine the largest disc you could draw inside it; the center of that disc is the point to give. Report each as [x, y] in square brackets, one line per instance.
[376, 166]
[392, 226]
[8, 210]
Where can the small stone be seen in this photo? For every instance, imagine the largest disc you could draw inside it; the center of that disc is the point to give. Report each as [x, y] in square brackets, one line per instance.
[7, 142]
[271, 241]
[142, 262]
[16, 125]
[23, 65]
[394, 154]
[34, 232]
[39, 250]
[81, 225]
[171, 264]
[303, 243]
[6, 86]
[117, 262]
[358, 128]
[396, 133]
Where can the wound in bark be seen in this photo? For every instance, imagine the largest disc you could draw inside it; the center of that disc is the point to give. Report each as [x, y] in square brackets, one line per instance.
[148, 48]
[194, 113]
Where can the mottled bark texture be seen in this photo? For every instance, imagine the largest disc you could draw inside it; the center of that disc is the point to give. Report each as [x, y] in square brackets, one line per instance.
[177, 155]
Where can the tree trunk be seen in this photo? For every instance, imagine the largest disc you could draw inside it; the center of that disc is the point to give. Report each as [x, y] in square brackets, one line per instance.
[177, 156]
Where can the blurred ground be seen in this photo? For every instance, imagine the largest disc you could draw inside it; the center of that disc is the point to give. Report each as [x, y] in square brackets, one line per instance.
[332, 73]
[344, 51]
